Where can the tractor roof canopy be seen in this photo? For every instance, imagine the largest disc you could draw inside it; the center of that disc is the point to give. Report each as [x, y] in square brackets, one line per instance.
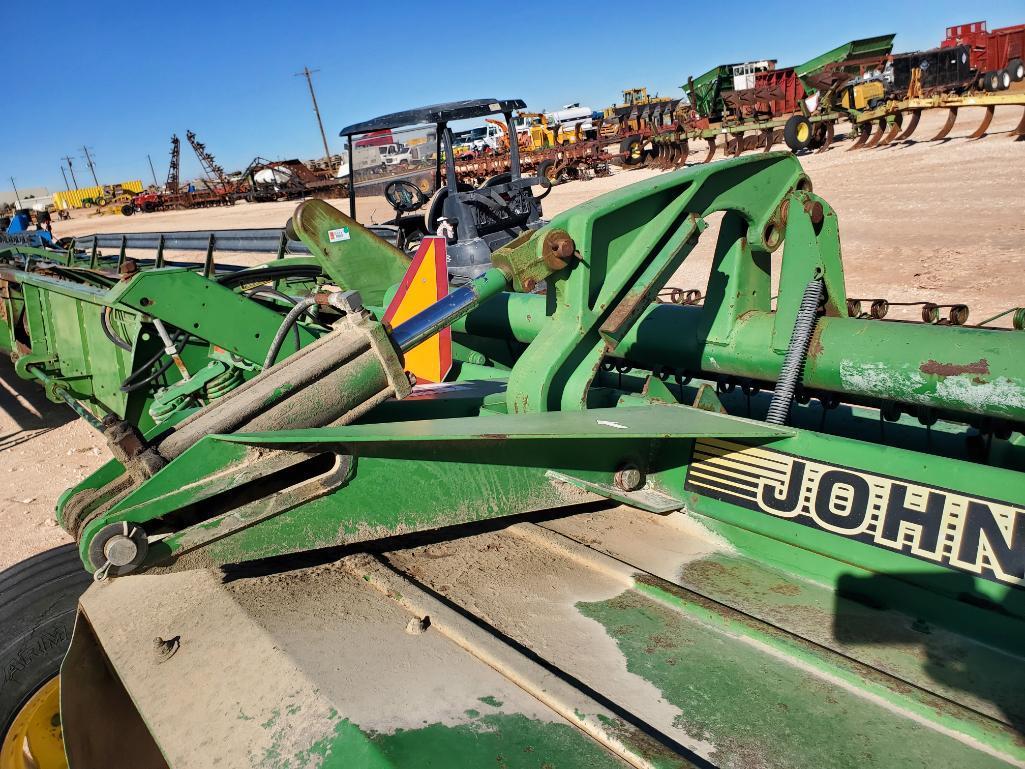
[436, 113]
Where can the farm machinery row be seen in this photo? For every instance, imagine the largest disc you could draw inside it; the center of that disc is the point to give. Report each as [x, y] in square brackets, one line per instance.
[357, 517]
[756, 105]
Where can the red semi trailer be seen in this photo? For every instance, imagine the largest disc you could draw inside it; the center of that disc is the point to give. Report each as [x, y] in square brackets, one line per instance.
[998, 56]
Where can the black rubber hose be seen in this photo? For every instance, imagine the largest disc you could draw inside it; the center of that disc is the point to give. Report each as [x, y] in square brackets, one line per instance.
[797, 352]
[267, 291]
[130, 386]
[109, 332]
[273, 272]
[290, 320]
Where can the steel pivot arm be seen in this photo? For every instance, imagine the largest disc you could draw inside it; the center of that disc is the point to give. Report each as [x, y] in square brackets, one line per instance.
[632, 242]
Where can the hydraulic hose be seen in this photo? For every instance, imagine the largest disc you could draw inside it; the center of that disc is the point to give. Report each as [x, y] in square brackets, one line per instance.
[302, 306]
[130, 385]
[109, 332]
[797, 353]
[267, 291]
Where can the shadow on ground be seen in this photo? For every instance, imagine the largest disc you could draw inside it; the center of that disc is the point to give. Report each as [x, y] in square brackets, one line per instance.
[25, 412]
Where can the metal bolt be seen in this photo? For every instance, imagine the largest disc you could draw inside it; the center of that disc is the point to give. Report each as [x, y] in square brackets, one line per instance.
[558, 249]
[629, 478]
[128, 269]
[814, 210]
[120, 550]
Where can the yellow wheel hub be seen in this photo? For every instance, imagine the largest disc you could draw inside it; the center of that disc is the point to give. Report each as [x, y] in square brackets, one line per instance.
[803, 132]
[34, 740]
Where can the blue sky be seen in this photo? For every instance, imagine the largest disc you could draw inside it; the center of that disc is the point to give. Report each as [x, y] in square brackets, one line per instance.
[122, 77]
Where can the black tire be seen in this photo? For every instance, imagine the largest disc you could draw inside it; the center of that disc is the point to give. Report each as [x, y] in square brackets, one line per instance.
[992, 81]
[546, 173]
[149, 207]
[38, 599]
[1016, 68]
[127, 209]
[1004, 78]
[632, 150]
[797, 133]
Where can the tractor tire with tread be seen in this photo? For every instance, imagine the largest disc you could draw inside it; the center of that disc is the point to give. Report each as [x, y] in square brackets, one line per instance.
[797, 133]
[38, 602]
[1016, 69]
[546, 173]
[632, 151]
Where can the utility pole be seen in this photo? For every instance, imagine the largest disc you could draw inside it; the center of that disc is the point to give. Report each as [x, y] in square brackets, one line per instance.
[307, 73]
[16, 195]
[155, 184]
[66, 185]
[89, 162]
[71, 168]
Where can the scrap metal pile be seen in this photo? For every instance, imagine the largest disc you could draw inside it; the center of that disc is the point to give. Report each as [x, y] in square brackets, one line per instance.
[754, 531]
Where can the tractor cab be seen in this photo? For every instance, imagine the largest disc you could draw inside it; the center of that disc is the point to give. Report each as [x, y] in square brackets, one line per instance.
[476, 221]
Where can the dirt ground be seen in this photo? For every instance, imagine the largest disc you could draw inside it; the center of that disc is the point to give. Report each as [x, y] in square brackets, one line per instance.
[937, 221]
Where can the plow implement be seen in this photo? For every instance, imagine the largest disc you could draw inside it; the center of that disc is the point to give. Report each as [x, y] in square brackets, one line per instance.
[890, 118]
[631, 526]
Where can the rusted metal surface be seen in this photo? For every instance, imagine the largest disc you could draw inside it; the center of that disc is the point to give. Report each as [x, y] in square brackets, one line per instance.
[948, 126]
[916, 115]
[987, 118]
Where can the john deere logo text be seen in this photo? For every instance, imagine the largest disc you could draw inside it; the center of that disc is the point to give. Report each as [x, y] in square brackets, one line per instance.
[982, 536]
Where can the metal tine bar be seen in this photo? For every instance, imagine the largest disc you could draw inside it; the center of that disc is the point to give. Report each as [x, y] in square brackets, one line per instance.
[711, 150]
[951, 119]
[828, 139]
[878, 135]
[208, 263]
[1019, 130]
[121, 253]
[160, 253]
[987, 118]
[864, 132]
[906, 134]
[898, 121]
[93, 259]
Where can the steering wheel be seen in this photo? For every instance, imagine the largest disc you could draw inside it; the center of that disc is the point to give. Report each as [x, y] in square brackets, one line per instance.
[404, 196]
[434, 210]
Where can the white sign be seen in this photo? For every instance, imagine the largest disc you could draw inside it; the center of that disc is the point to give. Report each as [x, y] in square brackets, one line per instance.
[336, 236]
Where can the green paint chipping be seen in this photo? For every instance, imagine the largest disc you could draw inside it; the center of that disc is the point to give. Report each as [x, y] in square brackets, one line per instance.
[489, 700]
[757, 710]
[499, 741]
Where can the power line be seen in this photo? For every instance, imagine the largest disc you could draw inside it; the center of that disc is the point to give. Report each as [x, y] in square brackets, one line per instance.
[66, 185]
[71, 168]
[16, 195]
[89, 162]
[307, 73]
[152, 171]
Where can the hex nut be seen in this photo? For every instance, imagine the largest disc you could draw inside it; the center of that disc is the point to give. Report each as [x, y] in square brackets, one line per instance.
[629, 478]
[558, 249]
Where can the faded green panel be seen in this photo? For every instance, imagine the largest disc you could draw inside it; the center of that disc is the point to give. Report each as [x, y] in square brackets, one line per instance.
[858, 617]
[755, 708]
[355, 258]
[506, 741]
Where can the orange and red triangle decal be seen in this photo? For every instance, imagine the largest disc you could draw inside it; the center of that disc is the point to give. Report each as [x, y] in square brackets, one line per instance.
[425, 282]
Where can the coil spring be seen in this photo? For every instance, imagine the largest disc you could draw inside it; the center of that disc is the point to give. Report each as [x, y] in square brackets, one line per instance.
[160, 411]
[1018, 319]
[223, 383]
[797, 352]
